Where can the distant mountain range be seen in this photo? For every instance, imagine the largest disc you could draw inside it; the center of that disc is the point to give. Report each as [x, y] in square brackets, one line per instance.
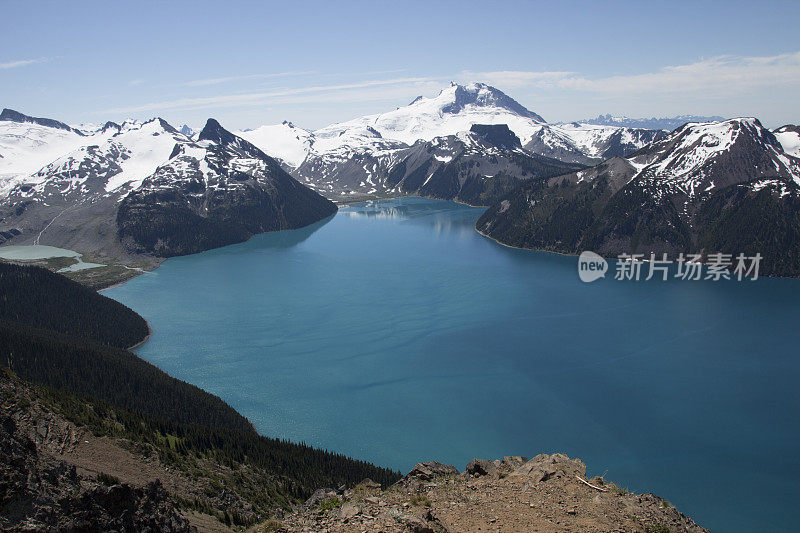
[665, 123]
[147, 189]
[354, 159]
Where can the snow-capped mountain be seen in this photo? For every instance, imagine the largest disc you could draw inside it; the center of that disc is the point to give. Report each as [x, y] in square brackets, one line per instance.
[472, 167]
[10, 115]
[587, 143]
[28, 143]
[217, 190]
[355, 157]
[109, 192]
[147, 188]
[189, 132]
[725, 186]
[455, 109]
[699, 158]
[663, 123]
[356, 166]
[475, 167]
[112, 161]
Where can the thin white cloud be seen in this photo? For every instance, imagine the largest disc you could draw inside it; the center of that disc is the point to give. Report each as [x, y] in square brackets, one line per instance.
[515, 79]
[216, 81]
[717, 75]
[322, 93]
[135, 82]
[21, 63]
[365, 94]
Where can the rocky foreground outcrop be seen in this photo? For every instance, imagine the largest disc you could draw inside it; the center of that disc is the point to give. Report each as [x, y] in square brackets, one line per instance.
[546, 493]
[40, 493]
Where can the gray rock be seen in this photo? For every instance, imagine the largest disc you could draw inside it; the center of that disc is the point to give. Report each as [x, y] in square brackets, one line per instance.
[414, 524]
[481, 467]
[431, 469]
[543, 467]
[349, 510]
[318, 496]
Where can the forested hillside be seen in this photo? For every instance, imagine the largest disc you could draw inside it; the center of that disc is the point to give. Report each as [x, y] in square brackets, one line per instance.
[71, 351]
[38, 298]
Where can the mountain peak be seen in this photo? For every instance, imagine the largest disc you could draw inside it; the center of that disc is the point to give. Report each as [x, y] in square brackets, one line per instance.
[727, 126]
[702, 156]
[213, 131]
[110, 126]
[15, 116]
[456, 98]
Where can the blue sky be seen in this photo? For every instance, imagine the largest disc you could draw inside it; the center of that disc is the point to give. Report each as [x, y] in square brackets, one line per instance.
[252, 63]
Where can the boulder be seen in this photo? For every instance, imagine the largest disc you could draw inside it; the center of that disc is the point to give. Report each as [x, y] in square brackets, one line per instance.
[414, 524]
[370, 484]
[430, 470]
[512, 462]
[319, 496]
[543, 467]
[349, 510]
[481, 467]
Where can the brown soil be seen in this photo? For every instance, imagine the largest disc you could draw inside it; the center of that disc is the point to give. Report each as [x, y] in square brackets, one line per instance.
[544, 494]
[137, 465]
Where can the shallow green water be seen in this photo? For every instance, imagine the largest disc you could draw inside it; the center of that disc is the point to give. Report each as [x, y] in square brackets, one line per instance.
[395, 333]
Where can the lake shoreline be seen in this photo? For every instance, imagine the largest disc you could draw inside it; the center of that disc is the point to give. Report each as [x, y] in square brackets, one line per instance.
[144, 340]
[469, 334]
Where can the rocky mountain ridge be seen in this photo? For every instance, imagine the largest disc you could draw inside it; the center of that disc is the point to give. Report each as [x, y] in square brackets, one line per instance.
[714, 187]
[473, 167]
[191, 195]
[353, 159]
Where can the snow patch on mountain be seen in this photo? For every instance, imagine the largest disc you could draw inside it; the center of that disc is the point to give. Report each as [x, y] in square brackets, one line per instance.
[789, 137]
[146, 145]
[27, 147]
[283, 141]
[696, 144]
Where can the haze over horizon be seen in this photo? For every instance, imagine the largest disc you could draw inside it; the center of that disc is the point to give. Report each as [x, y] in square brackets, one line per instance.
[315, 64]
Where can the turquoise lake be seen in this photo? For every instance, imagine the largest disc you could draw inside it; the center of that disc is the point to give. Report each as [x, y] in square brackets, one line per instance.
[394, 333]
